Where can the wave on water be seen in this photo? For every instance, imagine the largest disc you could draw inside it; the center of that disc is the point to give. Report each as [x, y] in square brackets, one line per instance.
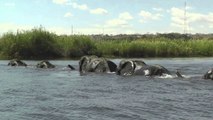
[167, 76]
[164, 76]
[62, 94]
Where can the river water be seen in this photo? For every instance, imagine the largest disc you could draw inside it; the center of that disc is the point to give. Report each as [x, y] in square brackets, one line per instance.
[60, 94]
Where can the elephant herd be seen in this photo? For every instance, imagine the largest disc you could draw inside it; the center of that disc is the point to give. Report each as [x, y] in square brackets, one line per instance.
[96, 64]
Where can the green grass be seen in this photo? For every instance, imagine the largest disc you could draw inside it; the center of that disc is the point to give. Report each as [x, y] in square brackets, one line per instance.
[157, 48]
[36, 43]
[41, 44]
[76, 46]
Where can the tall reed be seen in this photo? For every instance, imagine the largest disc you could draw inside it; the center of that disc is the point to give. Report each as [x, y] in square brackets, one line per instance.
[36, 43]
[39, 43]
[76, 45]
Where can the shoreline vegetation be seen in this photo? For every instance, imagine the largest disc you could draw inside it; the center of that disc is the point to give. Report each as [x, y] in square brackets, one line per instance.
[41, 44]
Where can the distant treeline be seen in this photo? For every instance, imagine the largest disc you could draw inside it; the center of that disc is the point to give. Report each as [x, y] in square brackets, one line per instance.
[41, 44]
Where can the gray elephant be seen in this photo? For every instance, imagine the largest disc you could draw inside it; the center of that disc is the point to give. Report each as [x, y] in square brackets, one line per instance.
[45, 64]
[208, 75]
[129, 67]
[96, 64]
[139, 67]
[16, 62]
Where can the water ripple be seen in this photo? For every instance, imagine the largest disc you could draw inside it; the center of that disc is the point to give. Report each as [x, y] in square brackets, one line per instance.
[59, 94]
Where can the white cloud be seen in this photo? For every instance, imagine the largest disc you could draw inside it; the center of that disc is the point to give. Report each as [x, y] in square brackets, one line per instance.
[193, 20]
[176, 12]
[68, 14]
[116, 23]
[142, 21]
[211, 26]
[73, 4]
[78, 6]
[158, 9]
[147, 16]
[98, 11]
[122, 20]
[9, 4]
[61, 2]
[125, 16]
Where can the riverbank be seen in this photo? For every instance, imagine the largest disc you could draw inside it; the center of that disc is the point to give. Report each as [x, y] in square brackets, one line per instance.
[41, 44]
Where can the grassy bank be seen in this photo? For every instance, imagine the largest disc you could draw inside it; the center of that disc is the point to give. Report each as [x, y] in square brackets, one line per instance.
[41, 44]
[157, 48]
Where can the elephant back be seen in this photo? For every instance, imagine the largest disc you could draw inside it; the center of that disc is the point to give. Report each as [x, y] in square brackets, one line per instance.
[45, 64]
[16, 62]
[159, 70]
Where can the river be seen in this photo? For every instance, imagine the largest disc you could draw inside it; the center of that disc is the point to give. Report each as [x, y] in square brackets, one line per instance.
[29, 93]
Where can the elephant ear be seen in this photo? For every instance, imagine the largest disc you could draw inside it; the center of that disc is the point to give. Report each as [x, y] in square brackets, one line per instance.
[138, 64]
[159, 70]
[126, 68]
[84, 63]
[100, 65]
[112, 66]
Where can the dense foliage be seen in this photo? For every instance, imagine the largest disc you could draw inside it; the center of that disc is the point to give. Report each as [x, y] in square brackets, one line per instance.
[41, 44]
[36, 43]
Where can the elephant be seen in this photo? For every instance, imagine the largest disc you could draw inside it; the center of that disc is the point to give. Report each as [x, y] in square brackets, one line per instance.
[96, 64]
[208, 74]
[16, 62]
[139, 67]
[45, 64]
[129, 67]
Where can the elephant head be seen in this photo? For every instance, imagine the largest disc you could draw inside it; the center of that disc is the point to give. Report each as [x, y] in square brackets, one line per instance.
[45, 64]
[128, 67]
[96, 64]
[84, 63]
[16, 62]
[139, 67]
[208, 75]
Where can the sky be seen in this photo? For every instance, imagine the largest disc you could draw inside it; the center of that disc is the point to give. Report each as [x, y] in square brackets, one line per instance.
[107, 16]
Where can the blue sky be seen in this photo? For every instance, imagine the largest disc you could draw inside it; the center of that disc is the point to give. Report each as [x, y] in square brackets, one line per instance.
[107, 16]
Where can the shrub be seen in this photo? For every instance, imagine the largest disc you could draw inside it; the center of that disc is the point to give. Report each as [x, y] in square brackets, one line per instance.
[36, 43]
